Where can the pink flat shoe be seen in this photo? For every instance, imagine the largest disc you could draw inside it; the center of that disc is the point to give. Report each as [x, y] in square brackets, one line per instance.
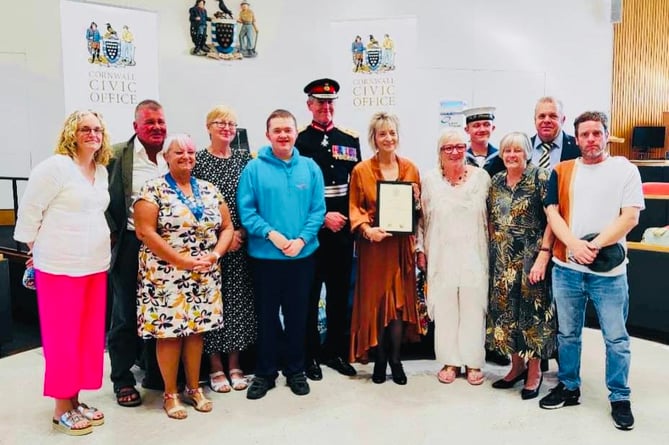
[448, 374]
[475, 376]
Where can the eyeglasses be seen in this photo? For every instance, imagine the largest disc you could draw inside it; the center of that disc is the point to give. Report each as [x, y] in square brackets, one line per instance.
[453, 148]
[223, 124]
[87, 130]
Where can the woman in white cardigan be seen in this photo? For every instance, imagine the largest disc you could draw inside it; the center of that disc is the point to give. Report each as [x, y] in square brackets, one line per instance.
[61, 219]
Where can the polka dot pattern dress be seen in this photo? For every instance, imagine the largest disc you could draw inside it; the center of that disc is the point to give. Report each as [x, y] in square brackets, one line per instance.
[239, 318]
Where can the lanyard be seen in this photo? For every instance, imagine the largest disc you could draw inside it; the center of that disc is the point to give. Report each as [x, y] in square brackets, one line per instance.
[195, 205]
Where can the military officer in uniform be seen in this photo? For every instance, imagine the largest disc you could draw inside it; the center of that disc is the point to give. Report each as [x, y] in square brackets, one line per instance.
[336, 151]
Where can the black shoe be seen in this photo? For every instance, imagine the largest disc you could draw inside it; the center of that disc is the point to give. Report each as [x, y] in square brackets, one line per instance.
[560, 396]
[379, 374]
[259, 387]
[399, 376]
[506, 384]
[313, 370]
[497, 358]
[298, 384]
[527, 394]
[340, 365]
[621, 412]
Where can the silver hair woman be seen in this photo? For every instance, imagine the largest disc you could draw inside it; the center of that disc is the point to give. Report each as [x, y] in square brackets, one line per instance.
[520, 319]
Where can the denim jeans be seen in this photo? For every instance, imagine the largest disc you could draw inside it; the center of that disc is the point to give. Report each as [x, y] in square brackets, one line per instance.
[610, 297]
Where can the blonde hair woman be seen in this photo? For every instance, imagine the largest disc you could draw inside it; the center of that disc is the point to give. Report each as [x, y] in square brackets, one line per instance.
[222, 164]
[61, 219]
[384, 306]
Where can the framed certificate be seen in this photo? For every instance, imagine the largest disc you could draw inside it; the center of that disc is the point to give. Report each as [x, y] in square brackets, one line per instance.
[395, 206]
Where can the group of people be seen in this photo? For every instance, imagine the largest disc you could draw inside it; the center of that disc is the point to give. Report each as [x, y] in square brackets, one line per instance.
[213, 251]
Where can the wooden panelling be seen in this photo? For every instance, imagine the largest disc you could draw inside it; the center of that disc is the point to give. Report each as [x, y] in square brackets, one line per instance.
[640, 70]
[7, 217]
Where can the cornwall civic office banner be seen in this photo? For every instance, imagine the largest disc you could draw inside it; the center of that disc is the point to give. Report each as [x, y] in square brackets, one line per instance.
[110, 61]
[374, 61]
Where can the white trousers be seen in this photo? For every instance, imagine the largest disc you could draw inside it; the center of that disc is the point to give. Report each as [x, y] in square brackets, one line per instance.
[459, 325]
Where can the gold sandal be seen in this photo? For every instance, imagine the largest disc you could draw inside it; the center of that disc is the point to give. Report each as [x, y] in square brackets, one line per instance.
[177, 411]
[196, 398]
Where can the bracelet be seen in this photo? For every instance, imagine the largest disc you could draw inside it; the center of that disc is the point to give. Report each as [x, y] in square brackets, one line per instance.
[545, 249]
[216, 254]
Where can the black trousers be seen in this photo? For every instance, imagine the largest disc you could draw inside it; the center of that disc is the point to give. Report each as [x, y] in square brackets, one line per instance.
[281, 285]
[334, 259]
[123, 343]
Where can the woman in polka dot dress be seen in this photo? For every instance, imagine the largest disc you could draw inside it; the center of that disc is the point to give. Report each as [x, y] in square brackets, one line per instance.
[222, 165]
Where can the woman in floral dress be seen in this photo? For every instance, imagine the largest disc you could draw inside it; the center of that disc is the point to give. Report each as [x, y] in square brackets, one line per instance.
[221, 164]
[185, 228]
[521, 318]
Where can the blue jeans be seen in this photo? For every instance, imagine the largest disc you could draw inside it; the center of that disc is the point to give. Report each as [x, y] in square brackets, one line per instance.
[610, 296]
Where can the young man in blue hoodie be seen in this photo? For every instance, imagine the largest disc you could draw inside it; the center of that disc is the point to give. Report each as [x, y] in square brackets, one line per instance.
[281, 203]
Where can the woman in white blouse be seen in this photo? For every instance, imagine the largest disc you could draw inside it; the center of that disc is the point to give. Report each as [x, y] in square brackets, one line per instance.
[61, 219]
[454, 243]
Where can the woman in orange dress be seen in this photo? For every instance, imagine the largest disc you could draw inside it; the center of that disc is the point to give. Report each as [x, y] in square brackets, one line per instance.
[384, 306]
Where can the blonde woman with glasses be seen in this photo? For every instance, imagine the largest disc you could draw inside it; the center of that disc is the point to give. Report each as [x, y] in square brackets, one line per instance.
[222, 165]
[61, 219]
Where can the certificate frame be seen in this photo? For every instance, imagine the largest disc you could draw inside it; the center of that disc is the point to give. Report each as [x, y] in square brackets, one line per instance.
[395, 207]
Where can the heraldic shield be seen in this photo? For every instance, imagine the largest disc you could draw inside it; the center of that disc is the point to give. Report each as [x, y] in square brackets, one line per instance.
[223, 35]
[373, 58]
[111, 49]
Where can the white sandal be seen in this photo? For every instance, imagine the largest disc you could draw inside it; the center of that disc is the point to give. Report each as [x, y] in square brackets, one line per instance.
[196, 398]
[238, 384]
[219, 385]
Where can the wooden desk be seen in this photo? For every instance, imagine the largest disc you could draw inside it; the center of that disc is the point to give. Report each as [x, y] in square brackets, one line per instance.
[653, 171]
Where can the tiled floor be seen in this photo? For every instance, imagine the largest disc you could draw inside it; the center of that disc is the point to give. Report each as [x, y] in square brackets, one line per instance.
[340, 410]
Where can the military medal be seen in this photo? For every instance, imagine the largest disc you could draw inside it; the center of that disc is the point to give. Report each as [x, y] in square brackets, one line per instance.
[325, 142]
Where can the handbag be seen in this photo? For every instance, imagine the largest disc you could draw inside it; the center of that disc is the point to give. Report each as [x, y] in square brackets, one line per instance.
[421, 303]
[28, 280]
[608, 256]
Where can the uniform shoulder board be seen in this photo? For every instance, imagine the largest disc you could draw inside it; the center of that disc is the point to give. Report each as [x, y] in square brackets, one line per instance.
[349, 132]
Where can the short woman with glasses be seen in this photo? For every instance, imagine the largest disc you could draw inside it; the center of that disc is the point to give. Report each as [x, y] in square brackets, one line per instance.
[453, 247]
[222, 165]
[521, 317]
[185, 228]
[62, 220]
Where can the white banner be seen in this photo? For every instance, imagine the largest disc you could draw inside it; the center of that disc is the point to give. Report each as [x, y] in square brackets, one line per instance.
[110, 61]
[374, 62]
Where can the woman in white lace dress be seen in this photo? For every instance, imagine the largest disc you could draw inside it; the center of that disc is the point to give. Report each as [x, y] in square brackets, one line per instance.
[453, 241]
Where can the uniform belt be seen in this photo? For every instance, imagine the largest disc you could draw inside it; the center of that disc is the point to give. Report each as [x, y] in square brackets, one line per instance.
[333, 191]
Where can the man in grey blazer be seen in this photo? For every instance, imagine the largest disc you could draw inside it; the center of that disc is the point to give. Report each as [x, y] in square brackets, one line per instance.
[134, 162]
[551, 145]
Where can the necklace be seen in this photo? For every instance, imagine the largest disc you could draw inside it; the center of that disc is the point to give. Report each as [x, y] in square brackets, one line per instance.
[457, 181]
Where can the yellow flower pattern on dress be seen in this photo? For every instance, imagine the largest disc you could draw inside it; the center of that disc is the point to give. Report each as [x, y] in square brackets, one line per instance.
[173, 302]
